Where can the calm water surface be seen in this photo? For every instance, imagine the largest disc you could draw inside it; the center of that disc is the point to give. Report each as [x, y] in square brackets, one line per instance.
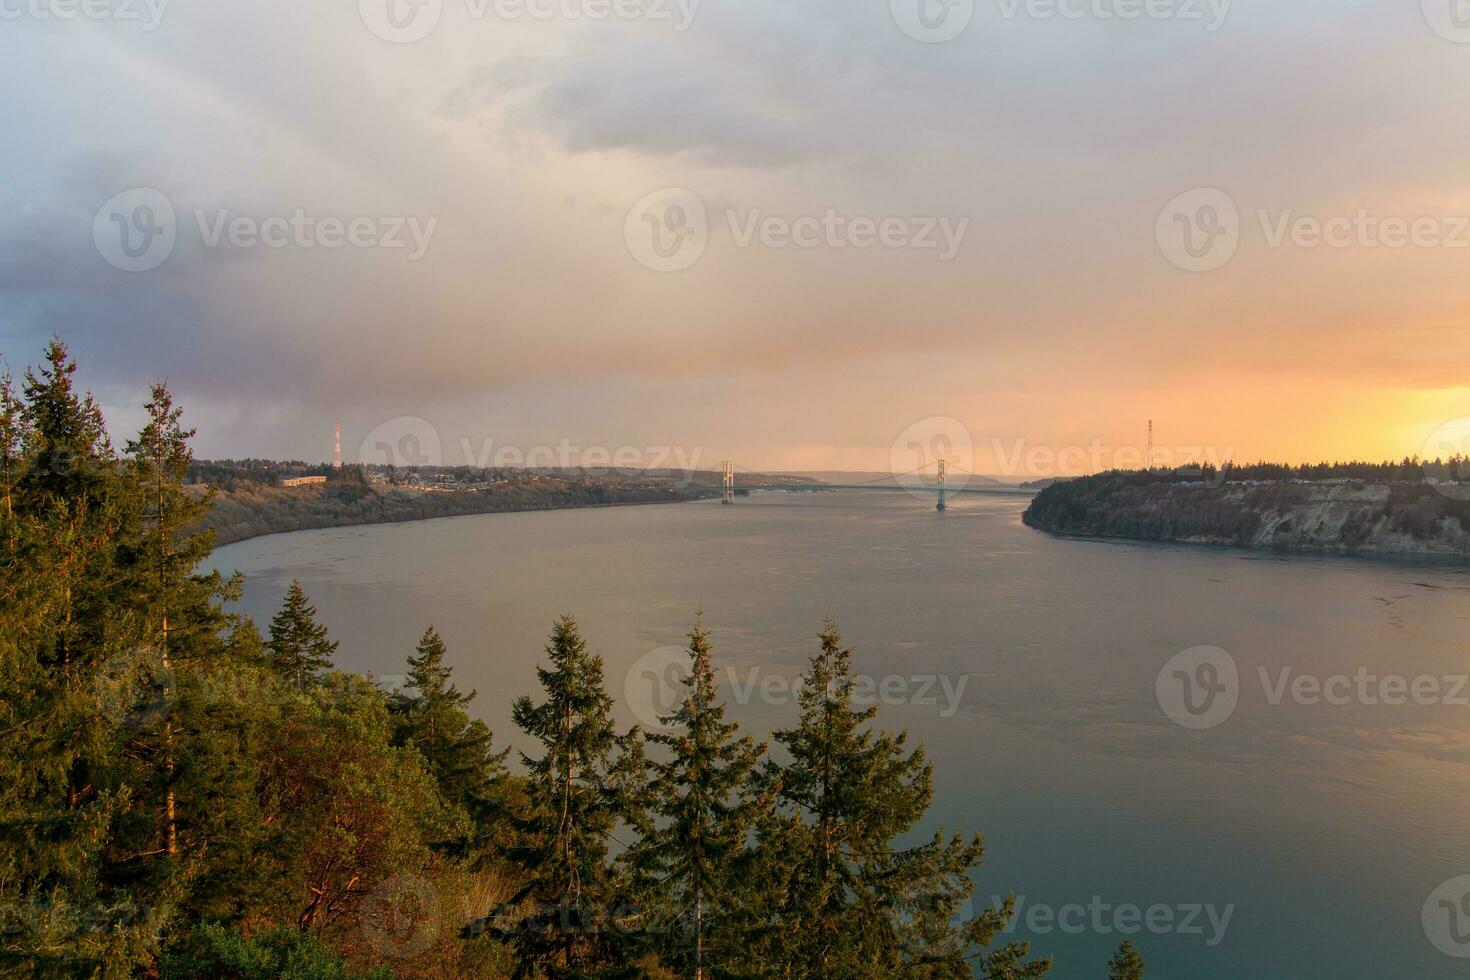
[1324, 828]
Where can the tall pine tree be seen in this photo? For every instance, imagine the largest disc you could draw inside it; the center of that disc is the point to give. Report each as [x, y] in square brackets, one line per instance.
[702, 806]
[429, 715]
[298, 648]
[577, 787]
[63, 790]
[855, 904]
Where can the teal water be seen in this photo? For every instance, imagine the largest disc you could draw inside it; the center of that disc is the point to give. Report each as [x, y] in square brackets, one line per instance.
[1321, 829]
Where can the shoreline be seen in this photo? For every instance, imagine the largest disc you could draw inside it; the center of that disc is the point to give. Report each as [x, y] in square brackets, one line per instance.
[1277, 552]
[447, 517]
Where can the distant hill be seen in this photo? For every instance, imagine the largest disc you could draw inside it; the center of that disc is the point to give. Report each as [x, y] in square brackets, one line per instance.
[1390, 518]
[252, 499]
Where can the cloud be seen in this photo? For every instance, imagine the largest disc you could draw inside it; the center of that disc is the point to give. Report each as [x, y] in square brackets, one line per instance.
[528, 142]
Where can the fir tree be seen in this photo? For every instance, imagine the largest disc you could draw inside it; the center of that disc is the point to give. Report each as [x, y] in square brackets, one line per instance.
[298, 648]
[705, 805]
[63, 789]
[160, 560]
[855, 905]
[1126, 964]
[429, 715]
[577, 789]
[13, 437]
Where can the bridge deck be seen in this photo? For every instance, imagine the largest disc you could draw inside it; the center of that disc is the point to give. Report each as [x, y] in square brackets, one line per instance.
[822, 487]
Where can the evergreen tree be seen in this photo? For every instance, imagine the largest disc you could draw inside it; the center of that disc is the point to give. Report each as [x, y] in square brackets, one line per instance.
[298, 648]
[429, 715]
[216, 951]
[577, 789]
[62, 785]
[855, 905]
[705, 804]
[1126, 964]
[176, 611]
[13, 437]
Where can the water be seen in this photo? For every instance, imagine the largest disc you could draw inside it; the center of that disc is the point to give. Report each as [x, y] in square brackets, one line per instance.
[1321, 829]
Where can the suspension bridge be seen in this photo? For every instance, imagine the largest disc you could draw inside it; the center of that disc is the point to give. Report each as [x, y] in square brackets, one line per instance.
[940, 472]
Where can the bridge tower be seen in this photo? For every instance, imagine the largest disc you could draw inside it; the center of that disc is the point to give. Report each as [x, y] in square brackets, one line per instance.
[729, 483]
[942, 505]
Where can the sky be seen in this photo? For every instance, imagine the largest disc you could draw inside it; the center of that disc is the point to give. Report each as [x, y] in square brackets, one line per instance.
[826, 234]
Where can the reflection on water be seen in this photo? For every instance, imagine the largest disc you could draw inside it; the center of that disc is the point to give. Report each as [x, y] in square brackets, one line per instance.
[1322, 828]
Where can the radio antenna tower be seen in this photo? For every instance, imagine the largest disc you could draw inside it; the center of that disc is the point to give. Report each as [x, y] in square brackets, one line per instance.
[336, 445]
[1149, 458]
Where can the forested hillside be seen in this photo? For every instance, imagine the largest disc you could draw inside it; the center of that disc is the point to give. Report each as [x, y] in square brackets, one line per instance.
[252, 509]
[1396, 510]
[183, 796]
[249, 497]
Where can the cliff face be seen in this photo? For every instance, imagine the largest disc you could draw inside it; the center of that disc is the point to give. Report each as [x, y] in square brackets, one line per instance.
[1398, 520]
